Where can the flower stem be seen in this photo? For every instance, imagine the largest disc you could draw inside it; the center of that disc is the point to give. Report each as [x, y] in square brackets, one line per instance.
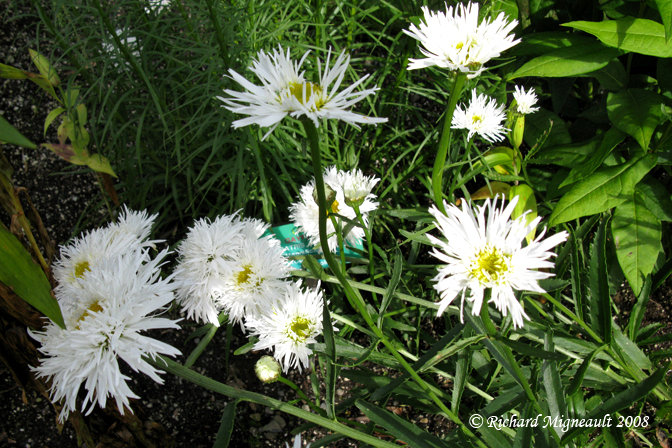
[444, 143]
[302, 395]
[311, 132]
[369, 244]
[485, 314]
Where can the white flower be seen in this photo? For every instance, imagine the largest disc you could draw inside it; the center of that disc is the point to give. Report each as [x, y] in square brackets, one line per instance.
[292, 324]
[525, 100]
[113, 52]
[483, 117]
[297, 442]
[285, 91]
[357, 187]
[207, 257]
[456, 41]
[156, 6]
[134, 223]
[485, 253]
[305, 214]
[256, 280]
[104, 323]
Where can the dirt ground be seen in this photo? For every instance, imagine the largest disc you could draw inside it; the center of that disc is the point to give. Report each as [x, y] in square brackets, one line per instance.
[189, 414]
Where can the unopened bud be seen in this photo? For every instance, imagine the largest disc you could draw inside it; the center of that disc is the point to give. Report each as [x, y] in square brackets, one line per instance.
[267, 369]
[329, 193]
[518, 131]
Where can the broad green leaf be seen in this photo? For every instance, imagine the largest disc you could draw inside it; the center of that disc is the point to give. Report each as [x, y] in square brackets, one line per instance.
[9, 134]
[65, 152]
[491, 190]
[568, 61]
[612, 76]
[226, 425]
[538, 123]
[526, 203]
[656, 197]
[637, 237]
[665, 10]
[664, 74]
[51, 117]
[45, 68]
[610, 140]
[623, 400]
[629, 34]
[500, 158]
[81, 114]
[602, 190]
[635, 112]
[541, 43]
[8, 72]
[567, 155]
[99, 163]
[400, 428]
[27, 280]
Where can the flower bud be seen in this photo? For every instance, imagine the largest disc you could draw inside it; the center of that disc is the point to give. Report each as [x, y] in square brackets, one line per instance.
[267, 369]
[518, 131]
[329, 193]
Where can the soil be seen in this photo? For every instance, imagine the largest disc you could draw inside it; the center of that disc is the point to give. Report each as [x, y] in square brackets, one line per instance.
[190, 414]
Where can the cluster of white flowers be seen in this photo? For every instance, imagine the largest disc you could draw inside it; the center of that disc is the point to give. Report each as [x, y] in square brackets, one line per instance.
[351, 189]
[110, 290]
[485, 253]
[285, 91]
[228, 265]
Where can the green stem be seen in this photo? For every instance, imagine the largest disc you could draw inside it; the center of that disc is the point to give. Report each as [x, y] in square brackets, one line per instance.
[311, 132]
[369, 242]
[302, 395]
[485, 315]
[444, 143]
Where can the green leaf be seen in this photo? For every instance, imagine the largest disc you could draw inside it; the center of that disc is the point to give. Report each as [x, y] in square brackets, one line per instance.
[629, 34]
[45, 68]
[25, 278]
[635, 112]
[619, 402]
[392, 287]
[99, 163]
[602, 190]
[526, 202]
[226, 427]
[541, 43]
[656, 197]
[332, 369]
[637, 236]
[612, 76]
[575, 385]
[600, 309]
[569, 61]
[533, 351]
[553, 385]
[665, 10]
[51, 117]
[610, 140]
[411, 214]
[400, 428]
[10, 135]
[567, 155]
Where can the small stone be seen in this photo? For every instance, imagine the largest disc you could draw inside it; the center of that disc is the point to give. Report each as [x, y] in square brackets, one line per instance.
[256, 417]
[305, 407]
[340, 392]
[280, 421]
[424, 420]
[272, 426]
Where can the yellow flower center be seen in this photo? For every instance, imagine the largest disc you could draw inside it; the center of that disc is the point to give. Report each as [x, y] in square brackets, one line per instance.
[81, 268]
[244, 275]
[476, 120]
[296, 89]
[93, 308]
[299, 329]
[491, 265]
[333, 208]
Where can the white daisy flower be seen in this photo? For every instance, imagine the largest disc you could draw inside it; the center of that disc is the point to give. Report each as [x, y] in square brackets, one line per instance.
[483, 117]
[357, 187]
[257, 279]
[157, 6]
[285, 91]
[305, 214]
[290, 326]
[525, 100]
[113, 306]
[207, 258]
[134, 223]
[485, 253]
[297, 442]
[456, 41]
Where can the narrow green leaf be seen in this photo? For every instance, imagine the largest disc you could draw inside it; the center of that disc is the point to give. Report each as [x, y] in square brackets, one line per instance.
[600, 306]
[51, 117]
[245, 348]
[629, 34]
[665, 10]
[227, 424]
[203, 343]
[314, 267]
[630, 352]
[623, 400]
[575, 385]
[523, 437]
[462, 369]
[25, 278]
[400, 428]
[410, 214]
[553, 385]
[603, 189]
[635, 112]
[10, 135]
[610, 140]
[568, 61]
[637, 236]
[532, 351]
[392, 287]
[45, 68]
[527, 205]
[332, 369]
